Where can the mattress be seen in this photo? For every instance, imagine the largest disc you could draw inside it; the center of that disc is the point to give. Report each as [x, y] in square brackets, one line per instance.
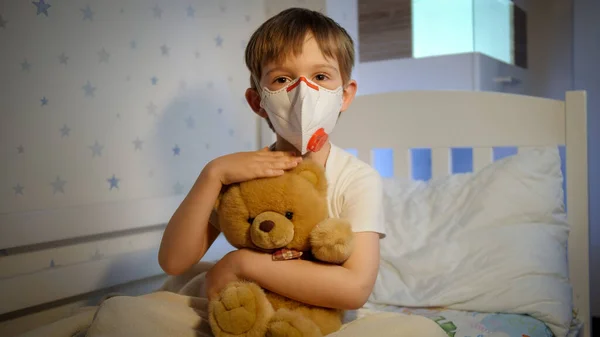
[476, 324]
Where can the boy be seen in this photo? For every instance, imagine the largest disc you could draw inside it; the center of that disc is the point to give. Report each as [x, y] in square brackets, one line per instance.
[300, 63]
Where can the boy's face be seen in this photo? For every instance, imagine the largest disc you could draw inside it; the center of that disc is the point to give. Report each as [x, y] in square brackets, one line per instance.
[310, 63]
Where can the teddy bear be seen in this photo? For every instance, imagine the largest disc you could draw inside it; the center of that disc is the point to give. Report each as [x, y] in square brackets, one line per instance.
[286, 216]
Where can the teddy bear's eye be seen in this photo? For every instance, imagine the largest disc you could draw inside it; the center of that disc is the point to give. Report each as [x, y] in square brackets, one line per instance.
[250, 220]
[289, 215]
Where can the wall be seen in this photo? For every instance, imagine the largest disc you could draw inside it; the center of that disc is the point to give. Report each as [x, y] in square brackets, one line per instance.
[587, 76]
[121, 103]
[108, 112]
[550, 48]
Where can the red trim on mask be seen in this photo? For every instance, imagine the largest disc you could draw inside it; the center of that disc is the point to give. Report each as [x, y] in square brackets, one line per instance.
[302, 79]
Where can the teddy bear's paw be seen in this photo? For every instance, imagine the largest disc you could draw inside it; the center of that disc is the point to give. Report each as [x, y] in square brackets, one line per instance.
[332, 240]
[286, 323]
[242, 309]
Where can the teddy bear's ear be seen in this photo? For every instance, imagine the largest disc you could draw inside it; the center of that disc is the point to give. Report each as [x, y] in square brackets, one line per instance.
[314, 173]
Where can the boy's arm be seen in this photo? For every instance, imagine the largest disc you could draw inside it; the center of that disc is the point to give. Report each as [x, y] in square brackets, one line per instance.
[344, 287]
[189, 235]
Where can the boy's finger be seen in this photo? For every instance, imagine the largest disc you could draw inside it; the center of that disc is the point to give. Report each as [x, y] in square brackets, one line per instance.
[283, 164]
[273, 172]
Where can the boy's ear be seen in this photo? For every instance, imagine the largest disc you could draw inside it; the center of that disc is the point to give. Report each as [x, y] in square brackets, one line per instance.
[253, 99]
[349, 94]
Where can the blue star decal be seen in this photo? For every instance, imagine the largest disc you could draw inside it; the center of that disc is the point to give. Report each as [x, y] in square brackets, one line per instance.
[64, 131]
[42, 7]
[219, 40]
[44, 101]
[114, 182]
[25, 65]
[58, 185]
[151, 109]
[137, 143]
[190, 122]
[89, 89]
[18, 189]
[87, 13]
[157, 12]
[176, 150]
[154, 80]
[2, 22]
[178, 188]
[190, 11]
[103, 55]
[20, 149]
[164, 50]
[96, 149]
[132, 44]
[63, 58]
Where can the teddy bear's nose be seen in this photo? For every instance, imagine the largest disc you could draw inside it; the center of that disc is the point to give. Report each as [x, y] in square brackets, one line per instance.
[266, 226]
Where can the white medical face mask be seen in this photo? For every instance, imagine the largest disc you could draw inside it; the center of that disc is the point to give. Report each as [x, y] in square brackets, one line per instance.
[303, 113]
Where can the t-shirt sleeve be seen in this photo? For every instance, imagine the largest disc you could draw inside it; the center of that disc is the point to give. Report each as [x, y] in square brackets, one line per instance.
[363, 203]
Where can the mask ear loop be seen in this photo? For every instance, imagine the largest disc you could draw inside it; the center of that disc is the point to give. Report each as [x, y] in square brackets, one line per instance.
[256, 83]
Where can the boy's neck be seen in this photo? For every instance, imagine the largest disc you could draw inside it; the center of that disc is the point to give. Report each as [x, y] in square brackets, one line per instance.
[320, 157]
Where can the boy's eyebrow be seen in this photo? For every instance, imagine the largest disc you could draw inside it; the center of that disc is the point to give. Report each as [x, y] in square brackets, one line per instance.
[275, 69]
[317, 66]
[328, 66]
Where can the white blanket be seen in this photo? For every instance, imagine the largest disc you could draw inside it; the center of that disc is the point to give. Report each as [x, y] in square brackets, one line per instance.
[179, 309]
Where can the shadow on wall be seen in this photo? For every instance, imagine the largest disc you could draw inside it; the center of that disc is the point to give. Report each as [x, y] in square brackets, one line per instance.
[195, 126]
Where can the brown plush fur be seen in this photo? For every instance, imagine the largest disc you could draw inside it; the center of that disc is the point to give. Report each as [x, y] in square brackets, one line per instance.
[289, 211]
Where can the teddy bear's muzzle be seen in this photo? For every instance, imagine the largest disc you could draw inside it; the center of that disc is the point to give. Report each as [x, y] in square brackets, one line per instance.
[271, 230]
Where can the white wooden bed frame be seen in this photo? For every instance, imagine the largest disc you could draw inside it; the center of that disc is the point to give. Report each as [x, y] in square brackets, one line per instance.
[100, 246]
[441, 120]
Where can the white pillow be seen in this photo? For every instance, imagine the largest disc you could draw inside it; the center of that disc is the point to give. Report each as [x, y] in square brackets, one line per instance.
[491, 241]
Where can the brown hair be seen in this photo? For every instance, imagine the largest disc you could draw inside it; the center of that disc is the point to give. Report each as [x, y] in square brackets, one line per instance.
[284, 33]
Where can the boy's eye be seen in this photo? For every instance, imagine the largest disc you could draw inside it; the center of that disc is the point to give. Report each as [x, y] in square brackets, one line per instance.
[281, 80]
[321, 77]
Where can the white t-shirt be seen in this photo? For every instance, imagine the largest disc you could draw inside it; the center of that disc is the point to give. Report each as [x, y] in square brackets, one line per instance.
[354, 192]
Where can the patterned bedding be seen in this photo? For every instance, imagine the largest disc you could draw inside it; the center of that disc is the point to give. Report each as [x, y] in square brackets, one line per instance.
[476, 324]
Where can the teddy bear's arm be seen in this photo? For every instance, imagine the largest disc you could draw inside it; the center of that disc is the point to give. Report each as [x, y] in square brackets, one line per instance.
[332, 241]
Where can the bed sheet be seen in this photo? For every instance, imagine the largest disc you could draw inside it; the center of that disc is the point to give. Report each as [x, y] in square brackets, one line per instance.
[458, 323]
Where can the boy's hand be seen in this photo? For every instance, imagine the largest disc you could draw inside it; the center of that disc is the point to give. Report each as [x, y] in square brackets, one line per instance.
[226, 270]
[243, 166]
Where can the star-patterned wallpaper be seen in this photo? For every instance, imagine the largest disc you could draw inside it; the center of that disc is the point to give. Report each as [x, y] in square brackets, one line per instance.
[109, 101]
